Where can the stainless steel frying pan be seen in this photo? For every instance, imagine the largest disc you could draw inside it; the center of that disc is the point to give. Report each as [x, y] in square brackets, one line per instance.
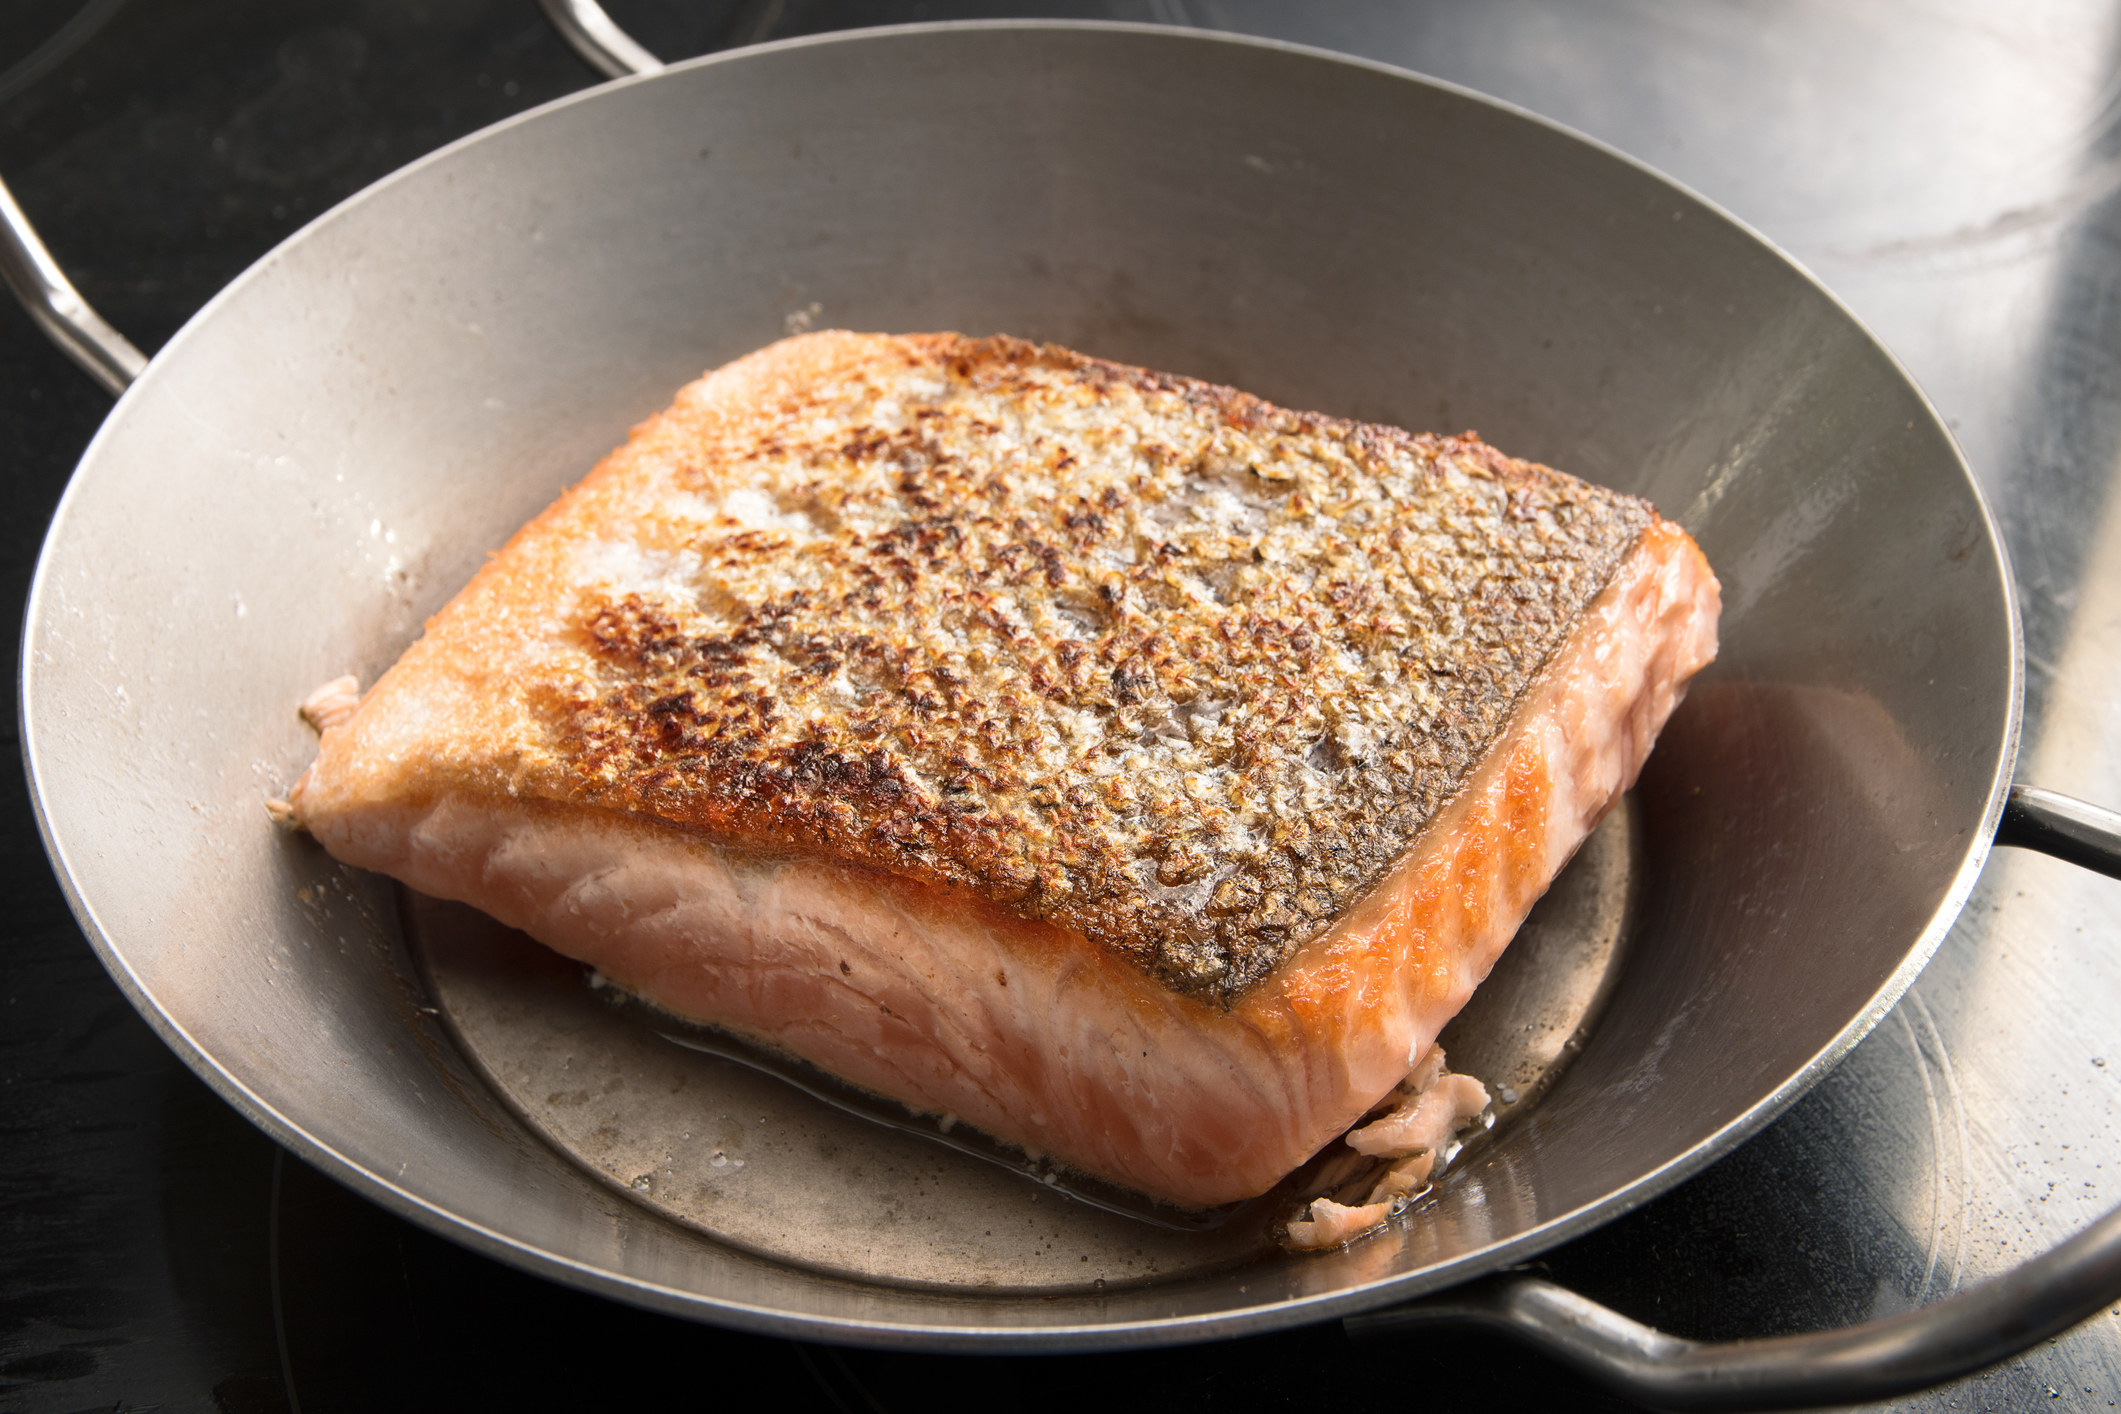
[328, 449]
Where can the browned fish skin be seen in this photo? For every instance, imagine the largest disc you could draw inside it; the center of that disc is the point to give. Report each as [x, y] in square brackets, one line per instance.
[1150, 658]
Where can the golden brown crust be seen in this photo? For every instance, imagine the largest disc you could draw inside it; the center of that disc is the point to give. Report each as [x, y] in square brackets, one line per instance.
[1149, 658]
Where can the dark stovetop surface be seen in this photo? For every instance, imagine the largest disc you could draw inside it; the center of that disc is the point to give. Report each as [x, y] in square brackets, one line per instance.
[156, 1252]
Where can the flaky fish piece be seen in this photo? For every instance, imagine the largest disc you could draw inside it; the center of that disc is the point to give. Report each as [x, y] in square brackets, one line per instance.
[1136, 770]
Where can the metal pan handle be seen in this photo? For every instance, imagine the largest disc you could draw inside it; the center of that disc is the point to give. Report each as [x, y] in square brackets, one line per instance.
[610, 50]
[57, 306]
[1876, 1360]
[107, 355]
[2086, 835]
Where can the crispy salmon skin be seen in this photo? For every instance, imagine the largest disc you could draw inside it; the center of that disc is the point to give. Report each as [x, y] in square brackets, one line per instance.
[1135, 769]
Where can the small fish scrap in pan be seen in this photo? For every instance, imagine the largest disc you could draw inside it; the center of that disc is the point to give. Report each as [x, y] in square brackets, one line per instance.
[1138, 770]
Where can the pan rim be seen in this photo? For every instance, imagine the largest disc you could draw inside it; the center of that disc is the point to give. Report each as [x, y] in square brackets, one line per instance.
[992, 1338]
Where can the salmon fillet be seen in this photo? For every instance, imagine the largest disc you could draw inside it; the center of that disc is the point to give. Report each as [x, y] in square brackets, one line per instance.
[1126, 766]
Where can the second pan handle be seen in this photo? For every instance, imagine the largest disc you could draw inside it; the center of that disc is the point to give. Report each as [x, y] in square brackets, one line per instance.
[610, 50]
[1876, 1360]
[107, 355]
[51, 299]
[2086, 835]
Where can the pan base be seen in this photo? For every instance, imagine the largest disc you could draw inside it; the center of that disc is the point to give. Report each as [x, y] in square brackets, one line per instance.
[745, 1157]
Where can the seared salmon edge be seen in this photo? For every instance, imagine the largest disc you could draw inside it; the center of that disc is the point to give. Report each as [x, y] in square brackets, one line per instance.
[1139, 771]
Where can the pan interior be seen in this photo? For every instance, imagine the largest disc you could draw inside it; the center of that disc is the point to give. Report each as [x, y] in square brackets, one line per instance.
[332, 447]
[750, 1159]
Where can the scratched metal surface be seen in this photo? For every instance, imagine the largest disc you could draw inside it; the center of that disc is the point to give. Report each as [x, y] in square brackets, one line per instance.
[1953, 171]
